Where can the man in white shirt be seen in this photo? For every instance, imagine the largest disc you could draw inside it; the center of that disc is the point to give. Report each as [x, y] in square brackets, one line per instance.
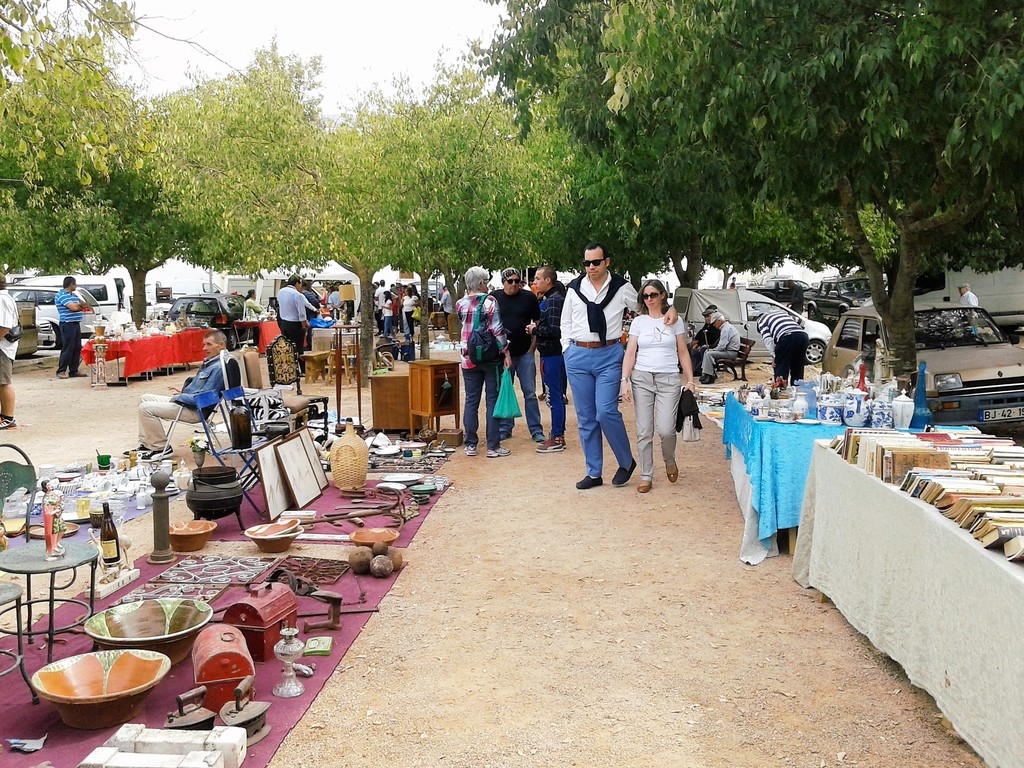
[591, 339]
[291, 316]
[378, 306]
[967, 297]
[8, 351]
[728, 348]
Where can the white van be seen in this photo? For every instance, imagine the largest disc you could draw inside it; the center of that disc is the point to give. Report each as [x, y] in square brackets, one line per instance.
[111, 293]
[1000, 293]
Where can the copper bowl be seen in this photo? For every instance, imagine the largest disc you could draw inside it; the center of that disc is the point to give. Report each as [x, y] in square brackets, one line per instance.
[168, 625]
[367, 537]
[191, 536]
[100, 689]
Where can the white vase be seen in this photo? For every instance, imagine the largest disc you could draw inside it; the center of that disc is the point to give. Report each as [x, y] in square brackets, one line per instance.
[902, 411]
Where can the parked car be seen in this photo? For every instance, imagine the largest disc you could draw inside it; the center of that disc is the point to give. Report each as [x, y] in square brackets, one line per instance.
[111, 293]
[974, 375]
[210, 310]
[782, 289]
[742, 307]
[834, 296]
[47, 318]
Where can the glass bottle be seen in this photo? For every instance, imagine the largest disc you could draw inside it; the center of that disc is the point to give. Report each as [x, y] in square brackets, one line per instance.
[287, 650]
[110, 542]
[862, 378]
[241, 427]
[922, 416]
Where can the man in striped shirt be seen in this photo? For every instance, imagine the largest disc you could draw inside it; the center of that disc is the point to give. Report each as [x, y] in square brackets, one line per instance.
[786, 341]
[70, 310]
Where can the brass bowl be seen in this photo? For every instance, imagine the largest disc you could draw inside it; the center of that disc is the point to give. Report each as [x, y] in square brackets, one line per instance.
[367, 537]
[100, 689]
[168, 625]
[191, 536]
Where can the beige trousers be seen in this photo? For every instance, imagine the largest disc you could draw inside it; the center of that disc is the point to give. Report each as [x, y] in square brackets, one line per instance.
[655, 399]
[153, 410]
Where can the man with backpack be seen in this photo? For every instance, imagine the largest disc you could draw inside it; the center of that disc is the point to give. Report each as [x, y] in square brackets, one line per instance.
[485, 344]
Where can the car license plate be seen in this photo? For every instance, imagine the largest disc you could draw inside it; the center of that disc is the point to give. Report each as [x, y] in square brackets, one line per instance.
[1001, 414]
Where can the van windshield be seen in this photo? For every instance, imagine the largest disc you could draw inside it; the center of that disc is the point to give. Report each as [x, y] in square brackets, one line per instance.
[960, 327]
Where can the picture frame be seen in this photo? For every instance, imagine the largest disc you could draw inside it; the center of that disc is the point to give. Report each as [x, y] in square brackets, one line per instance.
[297, 470]
[314, 457]
[275, 491]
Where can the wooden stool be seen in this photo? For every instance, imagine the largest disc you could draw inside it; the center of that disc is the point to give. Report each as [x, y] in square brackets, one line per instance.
[11, 593]
[316, 364]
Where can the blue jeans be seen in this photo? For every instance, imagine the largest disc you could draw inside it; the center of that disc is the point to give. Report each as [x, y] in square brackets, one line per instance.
[71, 347]
[552, 372]
[387, 324]
[524, 368]
[473, 382]
[594, 375]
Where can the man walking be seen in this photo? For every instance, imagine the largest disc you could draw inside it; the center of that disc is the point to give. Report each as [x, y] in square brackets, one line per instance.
[728, 348]
[70, 310]
[548, 333]
[518, 309]
[968, 298]
[291, 316]
[378, 306]
[8, 351]
[786, 341]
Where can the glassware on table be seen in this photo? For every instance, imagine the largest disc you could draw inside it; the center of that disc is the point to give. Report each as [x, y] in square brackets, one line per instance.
[288, 649]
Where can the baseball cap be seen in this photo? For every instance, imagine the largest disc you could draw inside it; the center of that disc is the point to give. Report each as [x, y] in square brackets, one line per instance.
[710, 309]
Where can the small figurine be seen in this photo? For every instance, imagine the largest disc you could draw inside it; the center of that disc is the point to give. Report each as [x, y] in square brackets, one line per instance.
[54, 526]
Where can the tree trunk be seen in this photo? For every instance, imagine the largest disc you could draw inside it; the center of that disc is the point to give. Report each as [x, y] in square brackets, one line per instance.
[138, 276]
[694, 262]
[367, 324]
[453, 282]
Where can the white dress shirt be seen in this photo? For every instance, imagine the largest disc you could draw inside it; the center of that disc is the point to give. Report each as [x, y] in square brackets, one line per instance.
[576, 326]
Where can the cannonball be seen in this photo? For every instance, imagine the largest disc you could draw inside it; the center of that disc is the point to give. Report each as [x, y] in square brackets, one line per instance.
[380, 548]
[396, 557]
[359, 560]
[381, 566]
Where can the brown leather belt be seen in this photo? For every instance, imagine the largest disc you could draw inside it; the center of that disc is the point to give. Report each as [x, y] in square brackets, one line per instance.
[594, 344]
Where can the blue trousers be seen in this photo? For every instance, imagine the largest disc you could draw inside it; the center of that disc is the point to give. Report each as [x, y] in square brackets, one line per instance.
[553, 375]
[524, 368]
[594, 376]
[474, 381]
[71, 347]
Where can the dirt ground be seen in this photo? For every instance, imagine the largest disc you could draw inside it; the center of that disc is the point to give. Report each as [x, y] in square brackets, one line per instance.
[538, 625]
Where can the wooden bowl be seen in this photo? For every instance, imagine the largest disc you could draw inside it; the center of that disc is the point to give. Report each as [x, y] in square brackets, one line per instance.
[36, 531]
[167, 624]
[100, 689]
[191, 536]
[367, 537]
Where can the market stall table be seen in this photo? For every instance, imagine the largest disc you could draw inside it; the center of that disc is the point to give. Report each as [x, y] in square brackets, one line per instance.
[769, 469]
[260, 332]
[149, 353]
[925, 593]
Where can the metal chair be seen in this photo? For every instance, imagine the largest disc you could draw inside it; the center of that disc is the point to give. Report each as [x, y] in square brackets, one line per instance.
[14, 475]
[248, 473]
[12, 593]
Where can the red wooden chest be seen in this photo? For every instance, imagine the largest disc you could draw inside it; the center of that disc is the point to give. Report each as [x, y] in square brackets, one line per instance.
[221, 661]
[260, 615]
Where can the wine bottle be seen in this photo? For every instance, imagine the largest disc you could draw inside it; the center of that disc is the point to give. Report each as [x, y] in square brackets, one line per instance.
[109, 541]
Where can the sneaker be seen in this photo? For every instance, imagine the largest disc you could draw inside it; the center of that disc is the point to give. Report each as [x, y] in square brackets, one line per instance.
[140, 450]
[552, 445]
[504, 436]
[8, 424]
[539, 437]
[498, 453]
[62, 374]
[470, 450]
[156, 455]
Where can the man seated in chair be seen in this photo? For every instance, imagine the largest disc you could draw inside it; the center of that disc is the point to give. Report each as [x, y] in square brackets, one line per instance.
[154, 409]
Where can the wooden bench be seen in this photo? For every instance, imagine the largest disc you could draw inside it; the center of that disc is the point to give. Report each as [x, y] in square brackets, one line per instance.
[316, 364]
[741, 361]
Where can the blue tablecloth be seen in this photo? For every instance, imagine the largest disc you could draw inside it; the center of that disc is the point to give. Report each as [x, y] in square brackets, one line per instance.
[777, 457]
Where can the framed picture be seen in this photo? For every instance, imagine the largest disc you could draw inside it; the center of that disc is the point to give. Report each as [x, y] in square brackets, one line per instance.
[276, 492]
[297, 470]
[314, 457]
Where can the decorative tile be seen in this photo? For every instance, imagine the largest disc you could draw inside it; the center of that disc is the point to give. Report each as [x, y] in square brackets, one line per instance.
[214, 569]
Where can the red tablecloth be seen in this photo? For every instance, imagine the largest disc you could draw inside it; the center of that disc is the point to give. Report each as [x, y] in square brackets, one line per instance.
[266, 331]
[152, 352]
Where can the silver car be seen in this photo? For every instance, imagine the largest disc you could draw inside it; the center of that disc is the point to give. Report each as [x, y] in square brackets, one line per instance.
[47, 320]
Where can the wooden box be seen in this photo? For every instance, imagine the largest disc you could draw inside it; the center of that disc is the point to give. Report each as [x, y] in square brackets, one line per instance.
[390, 398]
[260, 615]
[434, 390]
[221, 661]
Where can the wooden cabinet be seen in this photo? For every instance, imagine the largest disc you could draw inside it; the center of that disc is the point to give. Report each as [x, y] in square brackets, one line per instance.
[434, 391]
[390, 398]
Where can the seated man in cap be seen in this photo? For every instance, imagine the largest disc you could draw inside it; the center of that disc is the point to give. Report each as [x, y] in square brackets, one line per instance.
[727, 348]
[705, 338]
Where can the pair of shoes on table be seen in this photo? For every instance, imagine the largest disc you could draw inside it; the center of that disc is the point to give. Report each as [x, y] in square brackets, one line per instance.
[589, 482]
[552, 445]
[622, 474]
[672, 472]
[156, 455]
[645, 486]
[498, 453]
[470, 450]
[8, 424]
[538, 438]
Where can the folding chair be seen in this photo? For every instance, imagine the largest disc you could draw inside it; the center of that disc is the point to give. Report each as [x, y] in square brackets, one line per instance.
[248, 472]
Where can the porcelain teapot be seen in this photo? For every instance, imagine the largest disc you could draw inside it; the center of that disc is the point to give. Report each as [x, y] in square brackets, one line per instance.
[855, 408]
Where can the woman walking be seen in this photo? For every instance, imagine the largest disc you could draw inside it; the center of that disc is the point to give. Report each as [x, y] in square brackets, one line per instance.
[409, 304]
[387, 312]
[650, 378]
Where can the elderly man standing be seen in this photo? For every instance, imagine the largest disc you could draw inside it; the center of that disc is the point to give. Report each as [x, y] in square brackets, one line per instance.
[968, 298]
[70, 310]
[8, 351]
[153, 409]
[727, 348]
[518, 309]
[292, 307]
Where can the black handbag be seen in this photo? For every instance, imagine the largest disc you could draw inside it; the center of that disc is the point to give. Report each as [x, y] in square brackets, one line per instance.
[15, 333]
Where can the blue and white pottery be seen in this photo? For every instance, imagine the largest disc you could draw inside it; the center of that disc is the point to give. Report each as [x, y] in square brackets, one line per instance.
[881, 414]
[855, 409]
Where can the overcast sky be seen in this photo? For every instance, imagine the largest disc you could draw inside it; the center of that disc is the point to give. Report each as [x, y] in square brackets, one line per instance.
[361, 42]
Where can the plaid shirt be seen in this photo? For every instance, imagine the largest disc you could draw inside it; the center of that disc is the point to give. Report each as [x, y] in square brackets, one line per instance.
[489, 317]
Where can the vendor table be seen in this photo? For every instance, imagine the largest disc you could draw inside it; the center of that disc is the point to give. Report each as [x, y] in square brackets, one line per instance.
[151, 352]
[923, 592]
[769, 469]
[262, 332]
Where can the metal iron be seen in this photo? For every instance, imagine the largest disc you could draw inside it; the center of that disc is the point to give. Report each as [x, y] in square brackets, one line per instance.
[191, 714]
[245, 713]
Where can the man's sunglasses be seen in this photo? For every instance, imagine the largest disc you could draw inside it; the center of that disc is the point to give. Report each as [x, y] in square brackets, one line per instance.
[513, 281]
[651, 296]
[592, 262]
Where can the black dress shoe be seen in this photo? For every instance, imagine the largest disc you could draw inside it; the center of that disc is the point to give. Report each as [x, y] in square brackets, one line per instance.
[589, 482]
[622, 474]
[75, 375]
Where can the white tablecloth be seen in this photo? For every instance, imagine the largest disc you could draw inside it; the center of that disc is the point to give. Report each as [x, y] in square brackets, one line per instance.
[925, 593]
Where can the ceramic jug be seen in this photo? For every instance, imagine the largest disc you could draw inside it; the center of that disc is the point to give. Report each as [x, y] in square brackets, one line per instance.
[902, 411]
[830, 409]
[754, 403]
[800, 405]
[881, 414]
[855, 408]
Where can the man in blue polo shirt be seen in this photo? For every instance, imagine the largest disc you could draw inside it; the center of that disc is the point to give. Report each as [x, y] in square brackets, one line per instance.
[70, 309]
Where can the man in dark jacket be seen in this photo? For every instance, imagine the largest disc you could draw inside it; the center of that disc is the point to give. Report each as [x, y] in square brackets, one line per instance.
[706, 338]
[548, 332]
[519, 308]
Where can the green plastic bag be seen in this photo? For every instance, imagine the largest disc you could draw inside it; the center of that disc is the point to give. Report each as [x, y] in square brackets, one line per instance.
[507, 406]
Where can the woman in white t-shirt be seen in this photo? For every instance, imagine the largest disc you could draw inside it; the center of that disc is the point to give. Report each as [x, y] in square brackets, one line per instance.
[650, 378]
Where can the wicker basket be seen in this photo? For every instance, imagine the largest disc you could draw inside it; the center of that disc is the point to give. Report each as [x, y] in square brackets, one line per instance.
[350, 461]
